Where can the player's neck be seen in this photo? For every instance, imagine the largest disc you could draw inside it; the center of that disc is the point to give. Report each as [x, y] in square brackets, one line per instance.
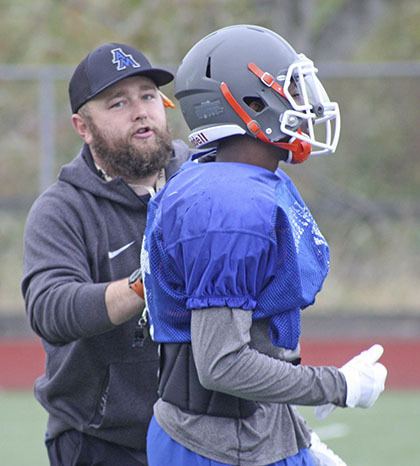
[244, 149]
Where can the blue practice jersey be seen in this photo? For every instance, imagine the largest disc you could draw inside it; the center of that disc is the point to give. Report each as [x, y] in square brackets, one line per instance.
[224, 234]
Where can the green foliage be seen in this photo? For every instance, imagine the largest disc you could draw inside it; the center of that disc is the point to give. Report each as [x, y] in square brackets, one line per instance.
[63, 32]
[397, 37]
[19, 157]
[323, 12]
[379, 138]
[11, 233]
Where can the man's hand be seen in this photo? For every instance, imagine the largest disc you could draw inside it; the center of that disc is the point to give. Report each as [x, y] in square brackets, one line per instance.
[322, 455]
[122, 302]
[365, 378]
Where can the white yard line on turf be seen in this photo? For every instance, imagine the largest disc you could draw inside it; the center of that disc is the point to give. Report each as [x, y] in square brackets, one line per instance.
[332, 431]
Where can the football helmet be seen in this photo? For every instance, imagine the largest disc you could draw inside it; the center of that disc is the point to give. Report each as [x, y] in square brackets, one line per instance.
[247, 79]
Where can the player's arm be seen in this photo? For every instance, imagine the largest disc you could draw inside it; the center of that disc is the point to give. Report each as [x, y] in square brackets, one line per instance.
[225, 362]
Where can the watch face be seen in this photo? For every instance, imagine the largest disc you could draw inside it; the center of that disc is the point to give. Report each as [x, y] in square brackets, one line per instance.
[135, 275]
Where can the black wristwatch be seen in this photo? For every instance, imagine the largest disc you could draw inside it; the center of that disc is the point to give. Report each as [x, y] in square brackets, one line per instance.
[135, 282]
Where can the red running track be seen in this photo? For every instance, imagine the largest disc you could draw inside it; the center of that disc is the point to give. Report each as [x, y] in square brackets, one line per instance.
[22, 361]
[401, 357]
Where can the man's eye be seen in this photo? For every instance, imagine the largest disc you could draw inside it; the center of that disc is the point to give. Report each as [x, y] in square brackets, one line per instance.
[118, 104]
[148, 96]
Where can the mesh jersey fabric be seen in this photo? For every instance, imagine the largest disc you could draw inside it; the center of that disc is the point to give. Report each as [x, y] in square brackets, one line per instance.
[227, 234]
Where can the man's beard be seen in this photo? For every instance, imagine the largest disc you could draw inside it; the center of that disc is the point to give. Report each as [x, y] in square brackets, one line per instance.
[122, 158]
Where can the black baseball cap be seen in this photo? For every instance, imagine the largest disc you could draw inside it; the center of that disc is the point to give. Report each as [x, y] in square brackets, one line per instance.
[105, 66]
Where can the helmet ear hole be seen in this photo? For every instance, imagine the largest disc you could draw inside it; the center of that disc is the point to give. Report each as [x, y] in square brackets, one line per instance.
[255, 103]
[208, 68]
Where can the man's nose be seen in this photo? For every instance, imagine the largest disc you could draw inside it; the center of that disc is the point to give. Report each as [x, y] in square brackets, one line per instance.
[139, 111]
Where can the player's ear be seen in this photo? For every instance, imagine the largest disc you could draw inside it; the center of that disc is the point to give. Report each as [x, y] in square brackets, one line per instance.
[81, 127]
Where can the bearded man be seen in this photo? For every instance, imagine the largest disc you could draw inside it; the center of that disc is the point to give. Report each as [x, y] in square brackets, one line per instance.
[82, 242]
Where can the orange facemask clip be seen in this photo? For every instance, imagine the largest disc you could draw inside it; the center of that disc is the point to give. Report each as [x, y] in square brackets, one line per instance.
[301, 150]
[167, 102]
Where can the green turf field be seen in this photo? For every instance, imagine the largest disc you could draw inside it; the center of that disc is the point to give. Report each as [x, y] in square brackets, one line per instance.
[386, 435]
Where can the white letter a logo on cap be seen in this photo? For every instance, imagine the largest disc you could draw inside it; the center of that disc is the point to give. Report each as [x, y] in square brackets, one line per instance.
[123, 60]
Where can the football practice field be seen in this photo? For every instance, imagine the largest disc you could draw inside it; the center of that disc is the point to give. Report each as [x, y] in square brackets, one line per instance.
[386, 435]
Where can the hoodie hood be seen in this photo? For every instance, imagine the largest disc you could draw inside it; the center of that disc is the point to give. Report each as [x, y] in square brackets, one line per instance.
[82, 174]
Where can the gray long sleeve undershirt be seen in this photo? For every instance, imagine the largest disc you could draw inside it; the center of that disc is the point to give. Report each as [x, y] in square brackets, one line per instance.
[226, 362]
[233, 354]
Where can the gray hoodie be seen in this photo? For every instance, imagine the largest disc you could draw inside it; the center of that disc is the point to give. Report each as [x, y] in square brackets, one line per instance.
[81, 234]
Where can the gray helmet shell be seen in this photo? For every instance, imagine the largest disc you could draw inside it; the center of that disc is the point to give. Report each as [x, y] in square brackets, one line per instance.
[223, 56]
[246, 79]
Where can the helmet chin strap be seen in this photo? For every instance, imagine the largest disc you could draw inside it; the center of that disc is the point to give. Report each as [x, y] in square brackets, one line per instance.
[299, 150]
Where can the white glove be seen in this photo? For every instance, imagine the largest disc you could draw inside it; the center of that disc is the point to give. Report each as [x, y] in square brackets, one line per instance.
[365, 378]
[322, 455]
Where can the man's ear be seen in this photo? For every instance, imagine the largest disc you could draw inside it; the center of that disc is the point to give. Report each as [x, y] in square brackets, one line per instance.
[81, 128]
